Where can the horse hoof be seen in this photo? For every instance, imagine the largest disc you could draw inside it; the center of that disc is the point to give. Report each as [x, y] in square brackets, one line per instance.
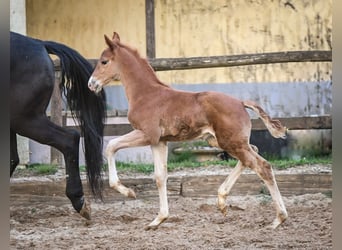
[154, 227]
[224, 210]
[131, 194]
[86, 211]
[274, 224]
[156, 222]
[277, 222]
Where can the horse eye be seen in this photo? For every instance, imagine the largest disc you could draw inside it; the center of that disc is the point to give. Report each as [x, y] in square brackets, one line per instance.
[104, 62]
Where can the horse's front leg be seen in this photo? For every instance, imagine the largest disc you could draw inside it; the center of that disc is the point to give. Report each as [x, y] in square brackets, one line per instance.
[14, 152]
[160, 171]
[135, 138]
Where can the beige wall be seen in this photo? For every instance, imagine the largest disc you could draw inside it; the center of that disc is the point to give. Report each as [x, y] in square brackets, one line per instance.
[196, 28]
[219, 27]
[82, 24]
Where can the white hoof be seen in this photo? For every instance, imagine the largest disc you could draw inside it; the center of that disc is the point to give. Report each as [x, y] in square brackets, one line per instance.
[156, 222]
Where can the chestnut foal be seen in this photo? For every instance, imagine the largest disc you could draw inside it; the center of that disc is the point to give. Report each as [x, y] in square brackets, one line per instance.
[160, 114]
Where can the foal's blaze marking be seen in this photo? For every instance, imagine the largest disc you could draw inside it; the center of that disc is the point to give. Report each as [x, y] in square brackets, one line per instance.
[159, 114]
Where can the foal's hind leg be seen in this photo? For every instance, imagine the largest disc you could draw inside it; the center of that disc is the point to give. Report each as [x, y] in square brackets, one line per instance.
[264, 170]
[133, 139]
[227, 185]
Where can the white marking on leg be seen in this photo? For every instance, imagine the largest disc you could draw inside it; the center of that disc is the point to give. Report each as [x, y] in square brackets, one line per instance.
[160, 171]
[227, 185]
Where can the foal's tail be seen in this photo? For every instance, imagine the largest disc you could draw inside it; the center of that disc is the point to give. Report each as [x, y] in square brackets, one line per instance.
[276, 129]
[86, 107]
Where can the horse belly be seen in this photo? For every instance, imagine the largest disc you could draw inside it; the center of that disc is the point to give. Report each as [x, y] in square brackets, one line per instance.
[181, 129]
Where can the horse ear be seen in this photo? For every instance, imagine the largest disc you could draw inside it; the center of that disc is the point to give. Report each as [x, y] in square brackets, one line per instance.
[116, 37]
[109, 42]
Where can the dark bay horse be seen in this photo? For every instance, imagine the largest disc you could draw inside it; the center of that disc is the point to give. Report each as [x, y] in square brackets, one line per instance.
[32, 81]
[160, 114]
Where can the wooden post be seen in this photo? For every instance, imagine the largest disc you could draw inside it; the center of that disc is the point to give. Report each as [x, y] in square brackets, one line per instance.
[150, 31]
[57, 118]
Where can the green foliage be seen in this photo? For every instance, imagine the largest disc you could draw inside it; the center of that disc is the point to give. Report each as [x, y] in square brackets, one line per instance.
[288, 163]
[135, 167]
[182, 157]
[43, 169]
[183, 161]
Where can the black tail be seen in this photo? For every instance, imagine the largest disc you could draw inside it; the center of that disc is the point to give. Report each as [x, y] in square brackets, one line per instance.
[86, 107]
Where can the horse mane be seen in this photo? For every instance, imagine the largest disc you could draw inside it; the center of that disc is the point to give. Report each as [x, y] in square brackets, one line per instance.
[144, 63]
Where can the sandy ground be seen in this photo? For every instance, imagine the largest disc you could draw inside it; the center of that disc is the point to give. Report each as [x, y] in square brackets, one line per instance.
[193, 224]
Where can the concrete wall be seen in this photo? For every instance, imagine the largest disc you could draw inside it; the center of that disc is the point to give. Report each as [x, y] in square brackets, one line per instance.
[18, 24]
[18, 16]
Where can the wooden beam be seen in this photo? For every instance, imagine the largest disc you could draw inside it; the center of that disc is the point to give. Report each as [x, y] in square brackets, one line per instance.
[297, 123]
[163, 64]
[293, 123]
[150, 30]
[186, 186]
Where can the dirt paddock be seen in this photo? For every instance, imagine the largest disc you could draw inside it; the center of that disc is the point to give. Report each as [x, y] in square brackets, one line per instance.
[37, 222]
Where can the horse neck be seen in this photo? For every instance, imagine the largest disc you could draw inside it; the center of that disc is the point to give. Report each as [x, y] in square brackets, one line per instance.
[137, 77]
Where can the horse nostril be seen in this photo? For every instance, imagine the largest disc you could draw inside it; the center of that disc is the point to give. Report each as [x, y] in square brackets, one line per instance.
[91, 82]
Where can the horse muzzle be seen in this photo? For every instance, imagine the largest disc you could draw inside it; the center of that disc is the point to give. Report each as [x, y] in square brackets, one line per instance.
[94, 85]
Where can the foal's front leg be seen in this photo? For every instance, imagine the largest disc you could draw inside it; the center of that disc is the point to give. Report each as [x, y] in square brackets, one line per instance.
[160, 171]
[135, 138]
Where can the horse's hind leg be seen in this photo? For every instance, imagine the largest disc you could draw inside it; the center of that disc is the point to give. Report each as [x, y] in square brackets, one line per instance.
[265, 172]
[14, 152]
[42, 130]
[160, 171]
[227, 185]
[251, 159]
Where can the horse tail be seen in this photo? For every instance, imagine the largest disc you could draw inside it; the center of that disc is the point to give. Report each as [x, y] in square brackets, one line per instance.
[276, 129]
[87, 108]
